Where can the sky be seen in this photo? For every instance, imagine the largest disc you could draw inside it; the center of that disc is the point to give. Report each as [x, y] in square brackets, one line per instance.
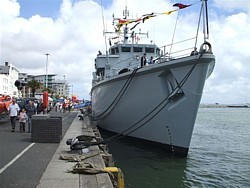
[71, 31]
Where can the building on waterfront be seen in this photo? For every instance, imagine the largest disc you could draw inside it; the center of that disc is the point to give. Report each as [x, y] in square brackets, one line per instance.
[60, 87]
[56, 87]
[8, 76]
[42, 80]
[25, 78]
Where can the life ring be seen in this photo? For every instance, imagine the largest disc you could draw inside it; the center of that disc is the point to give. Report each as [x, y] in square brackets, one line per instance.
[204, 49]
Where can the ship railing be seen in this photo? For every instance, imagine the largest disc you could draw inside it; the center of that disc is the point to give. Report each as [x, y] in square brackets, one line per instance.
[178, 49]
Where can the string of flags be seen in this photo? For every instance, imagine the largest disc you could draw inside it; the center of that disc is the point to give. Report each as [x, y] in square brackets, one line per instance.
[143, 18]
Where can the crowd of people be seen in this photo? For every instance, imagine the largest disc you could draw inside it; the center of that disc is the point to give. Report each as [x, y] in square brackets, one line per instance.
[62, 107]
[23, 115]
[145, 61]
[23, 112]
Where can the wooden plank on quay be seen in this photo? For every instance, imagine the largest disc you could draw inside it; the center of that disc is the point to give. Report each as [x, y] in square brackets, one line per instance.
[96, 180]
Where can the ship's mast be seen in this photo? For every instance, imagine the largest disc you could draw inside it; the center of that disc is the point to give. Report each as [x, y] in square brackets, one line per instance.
[125, 29]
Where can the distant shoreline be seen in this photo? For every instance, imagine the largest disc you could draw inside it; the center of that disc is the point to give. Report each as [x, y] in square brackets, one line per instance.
[224, 105]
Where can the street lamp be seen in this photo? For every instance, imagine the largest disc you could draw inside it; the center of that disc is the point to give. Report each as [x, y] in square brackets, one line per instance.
[72, 89]
[46, 76]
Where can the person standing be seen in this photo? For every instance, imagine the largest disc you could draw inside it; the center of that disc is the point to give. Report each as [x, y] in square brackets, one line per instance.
[69, 106]
[22, 120]
[151, 61]
[64, 107]
[13, 110]
[30, 111]
[143, 60]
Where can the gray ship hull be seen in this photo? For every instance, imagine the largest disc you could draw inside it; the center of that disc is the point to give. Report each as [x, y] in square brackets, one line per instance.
[158, 104]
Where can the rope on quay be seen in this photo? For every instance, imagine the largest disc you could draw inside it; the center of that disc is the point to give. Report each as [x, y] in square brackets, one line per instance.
[115, 173]
[77, 158]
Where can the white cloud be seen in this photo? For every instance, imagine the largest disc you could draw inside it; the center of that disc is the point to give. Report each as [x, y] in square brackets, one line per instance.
[70, 40]
[230, 36]
[75, 36]
[231, 5]
[9, 9]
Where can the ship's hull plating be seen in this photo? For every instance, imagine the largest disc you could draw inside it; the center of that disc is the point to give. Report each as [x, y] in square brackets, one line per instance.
[149, 107]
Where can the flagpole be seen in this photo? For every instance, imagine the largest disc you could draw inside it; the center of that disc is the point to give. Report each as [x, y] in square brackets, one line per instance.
[105, 36]
[46, 76]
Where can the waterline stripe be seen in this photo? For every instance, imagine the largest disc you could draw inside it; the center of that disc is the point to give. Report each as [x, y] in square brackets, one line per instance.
[17, 157]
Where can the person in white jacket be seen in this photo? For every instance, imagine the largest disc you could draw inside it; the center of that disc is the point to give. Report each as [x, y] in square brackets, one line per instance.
[13, 110]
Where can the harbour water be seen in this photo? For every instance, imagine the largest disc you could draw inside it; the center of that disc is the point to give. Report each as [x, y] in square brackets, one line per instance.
[219, 155]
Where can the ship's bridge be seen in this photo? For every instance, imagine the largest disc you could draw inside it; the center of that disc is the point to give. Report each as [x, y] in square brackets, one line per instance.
[130, 55]
[124, 49]
[122, 58]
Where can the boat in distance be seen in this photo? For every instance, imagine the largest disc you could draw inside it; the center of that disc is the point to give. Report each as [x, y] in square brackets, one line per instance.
[157, 101]
[238, 106]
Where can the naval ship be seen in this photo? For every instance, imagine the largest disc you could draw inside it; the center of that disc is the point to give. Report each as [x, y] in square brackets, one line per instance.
[155, 100]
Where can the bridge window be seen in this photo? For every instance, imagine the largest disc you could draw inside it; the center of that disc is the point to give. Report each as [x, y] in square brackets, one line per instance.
[125, 49]
[114, 51]
[149, 50]
[137, 49]
[158, 51]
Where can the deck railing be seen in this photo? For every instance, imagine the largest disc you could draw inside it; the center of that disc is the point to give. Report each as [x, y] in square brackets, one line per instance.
[179, 49]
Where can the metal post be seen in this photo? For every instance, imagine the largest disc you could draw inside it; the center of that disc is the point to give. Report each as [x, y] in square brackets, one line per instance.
[72, 89]
[46, 76]
[24, 91]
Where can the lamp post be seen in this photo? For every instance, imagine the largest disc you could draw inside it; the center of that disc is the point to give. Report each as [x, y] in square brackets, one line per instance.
[46, 76]
[72, 89]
